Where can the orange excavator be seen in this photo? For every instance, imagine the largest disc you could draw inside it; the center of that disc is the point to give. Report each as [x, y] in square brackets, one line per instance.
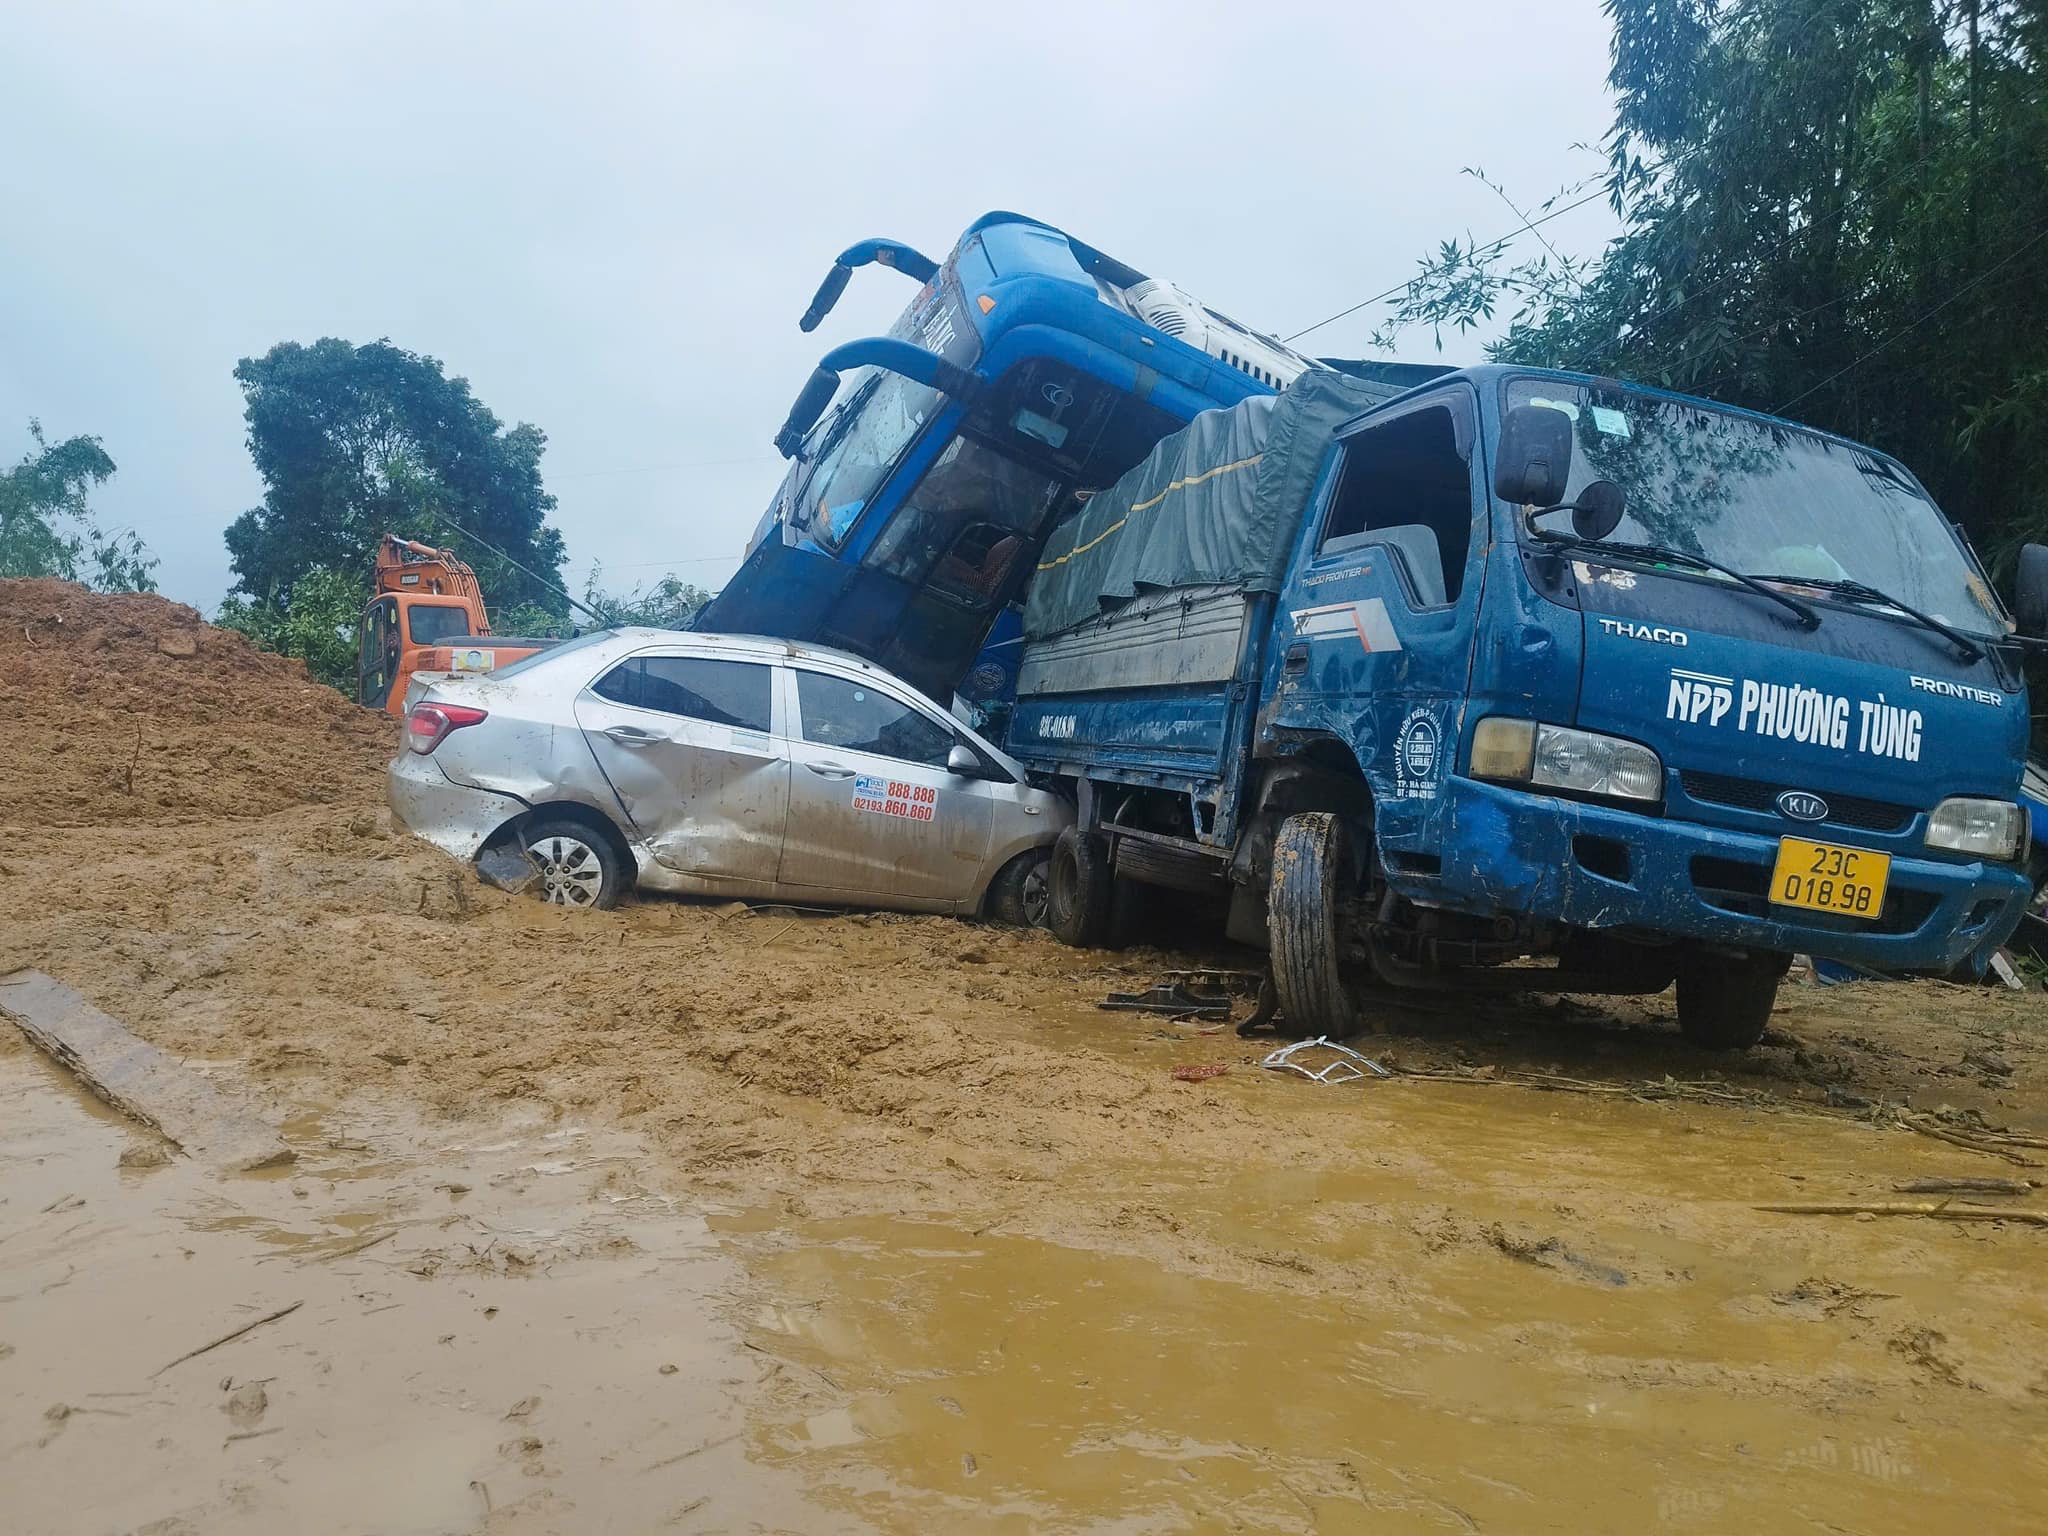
[428, 616]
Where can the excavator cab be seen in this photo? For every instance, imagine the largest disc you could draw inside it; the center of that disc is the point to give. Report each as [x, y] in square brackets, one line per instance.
[428, 616]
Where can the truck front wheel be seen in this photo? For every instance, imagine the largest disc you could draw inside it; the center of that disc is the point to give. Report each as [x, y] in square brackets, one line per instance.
[1725, 1005]
[1302, 904]
[1077, 904]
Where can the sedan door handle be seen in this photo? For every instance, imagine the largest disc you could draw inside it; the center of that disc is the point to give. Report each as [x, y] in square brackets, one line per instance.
[829, 770]
[631, 736]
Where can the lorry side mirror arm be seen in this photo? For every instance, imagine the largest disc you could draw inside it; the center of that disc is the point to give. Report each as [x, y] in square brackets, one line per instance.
[885, 352]
[882, 253]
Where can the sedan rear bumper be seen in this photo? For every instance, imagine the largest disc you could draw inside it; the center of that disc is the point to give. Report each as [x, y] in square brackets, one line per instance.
[453, 817]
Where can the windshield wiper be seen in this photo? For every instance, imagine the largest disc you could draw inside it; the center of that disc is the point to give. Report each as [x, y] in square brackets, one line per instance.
[1971, 649]
[1652, 553]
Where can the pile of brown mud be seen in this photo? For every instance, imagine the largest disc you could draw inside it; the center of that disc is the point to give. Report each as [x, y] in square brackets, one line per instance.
[129, 707]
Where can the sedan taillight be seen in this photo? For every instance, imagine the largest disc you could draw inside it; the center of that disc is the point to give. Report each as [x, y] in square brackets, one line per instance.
[429, 724]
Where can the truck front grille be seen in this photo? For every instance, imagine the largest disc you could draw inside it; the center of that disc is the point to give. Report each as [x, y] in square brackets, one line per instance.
[1752, 795]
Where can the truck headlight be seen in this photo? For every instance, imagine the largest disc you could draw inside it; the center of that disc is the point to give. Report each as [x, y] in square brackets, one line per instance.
[1555, 757]
[1991, 829]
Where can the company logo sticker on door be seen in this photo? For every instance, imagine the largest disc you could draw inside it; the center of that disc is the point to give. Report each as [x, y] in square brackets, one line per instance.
[892, 797]
[1366, 618]
[1418, 752]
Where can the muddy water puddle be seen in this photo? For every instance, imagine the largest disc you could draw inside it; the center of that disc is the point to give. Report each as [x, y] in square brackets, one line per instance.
[507, 1329]
[1512, 1314]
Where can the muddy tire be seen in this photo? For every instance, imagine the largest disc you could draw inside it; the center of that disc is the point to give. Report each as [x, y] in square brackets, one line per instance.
[1302, 905]
[577, 866]
[1726, 1007]
[1078, 890]
[1021, 890]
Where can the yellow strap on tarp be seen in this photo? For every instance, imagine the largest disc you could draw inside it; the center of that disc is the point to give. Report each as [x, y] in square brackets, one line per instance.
[1143, 506]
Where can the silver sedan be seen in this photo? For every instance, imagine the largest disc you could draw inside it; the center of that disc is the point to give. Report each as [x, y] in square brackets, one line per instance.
[721, 765]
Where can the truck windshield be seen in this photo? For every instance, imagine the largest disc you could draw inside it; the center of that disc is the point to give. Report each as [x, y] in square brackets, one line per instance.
[857, 446]
[1765, 498]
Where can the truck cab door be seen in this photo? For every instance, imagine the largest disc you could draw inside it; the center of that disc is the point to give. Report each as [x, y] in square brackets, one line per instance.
[1373, 639]
[874, 814]
[688, 744]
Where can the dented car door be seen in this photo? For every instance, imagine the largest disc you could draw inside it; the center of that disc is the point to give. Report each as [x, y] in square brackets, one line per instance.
[874, 813]
[688, 744]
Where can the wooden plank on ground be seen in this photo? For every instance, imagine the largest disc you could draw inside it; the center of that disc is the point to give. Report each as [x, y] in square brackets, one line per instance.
[136, 1078]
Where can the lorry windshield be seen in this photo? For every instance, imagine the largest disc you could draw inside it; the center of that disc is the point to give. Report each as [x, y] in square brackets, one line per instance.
[1765, 498]
[857, 446]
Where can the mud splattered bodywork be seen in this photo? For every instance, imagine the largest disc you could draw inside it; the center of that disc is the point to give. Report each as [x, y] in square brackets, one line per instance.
[697, 759]
[1683, 737]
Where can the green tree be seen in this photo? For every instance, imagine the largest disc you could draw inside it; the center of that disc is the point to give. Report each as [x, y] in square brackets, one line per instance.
[1835, 210]
[354, 442]
[669, 603]
[319, 626]
[48, 529]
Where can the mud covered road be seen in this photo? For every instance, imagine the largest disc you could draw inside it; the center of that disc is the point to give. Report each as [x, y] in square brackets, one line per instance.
[951, 1248]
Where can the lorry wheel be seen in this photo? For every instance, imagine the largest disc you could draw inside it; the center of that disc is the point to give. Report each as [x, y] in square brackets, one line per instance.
[577, 866]
[1018, 894]
[1078, 890]
[1726, 1006]
[1301, 926]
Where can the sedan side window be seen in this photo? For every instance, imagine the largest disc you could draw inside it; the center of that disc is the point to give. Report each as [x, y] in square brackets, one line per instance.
[839, 712]
[734, 693]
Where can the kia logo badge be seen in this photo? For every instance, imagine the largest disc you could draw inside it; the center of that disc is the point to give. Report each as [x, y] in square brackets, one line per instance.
[1801, 806]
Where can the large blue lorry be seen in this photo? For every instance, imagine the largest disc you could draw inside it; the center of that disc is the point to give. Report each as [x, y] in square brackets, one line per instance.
[1029, 369]
[1531, 680]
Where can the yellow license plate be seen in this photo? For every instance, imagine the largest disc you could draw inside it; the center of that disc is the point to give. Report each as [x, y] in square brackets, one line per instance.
[1827, 878]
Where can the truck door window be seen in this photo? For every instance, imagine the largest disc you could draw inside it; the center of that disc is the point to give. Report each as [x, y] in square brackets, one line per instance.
[1407, 485]
[733, 693]
[838, 712]
[430, 623]
[377, 652]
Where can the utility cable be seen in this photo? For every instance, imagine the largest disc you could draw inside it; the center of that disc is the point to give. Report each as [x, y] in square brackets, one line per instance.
[1974, 283]
[1527, 227]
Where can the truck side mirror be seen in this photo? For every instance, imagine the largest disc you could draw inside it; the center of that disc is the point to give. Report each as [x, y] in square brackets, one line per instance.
[2030, 590]
[1533, 462]
[1598, 510]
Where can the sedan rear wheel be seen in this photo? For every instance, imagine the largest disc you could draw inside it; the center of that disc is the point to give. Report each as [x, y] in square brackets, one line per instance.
[577, 867]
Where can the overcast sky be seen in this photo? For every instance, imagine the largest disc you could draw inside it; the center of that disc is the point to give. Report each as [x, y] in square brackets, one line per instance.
[609, 217]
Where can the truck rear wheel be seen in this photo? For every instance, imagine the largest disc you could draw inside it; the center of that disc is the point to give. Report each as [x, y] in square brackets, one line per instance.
[1725, 1006]
[1302, 906]
[1077, 904]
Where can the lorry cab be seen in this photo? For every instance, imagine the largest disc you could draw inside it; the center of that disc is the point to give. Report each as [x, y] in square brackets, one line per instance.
[1029, 371]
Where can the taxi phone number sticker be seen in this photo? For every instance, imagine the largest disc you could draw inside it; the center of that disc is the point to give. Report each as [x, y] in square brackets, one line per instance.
[892, 797]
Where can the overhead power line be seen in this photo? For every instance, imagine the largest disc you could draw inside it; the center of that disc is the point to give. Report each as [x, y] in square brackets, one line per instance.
[1914, 324]
[655, 469]
[1527, 227]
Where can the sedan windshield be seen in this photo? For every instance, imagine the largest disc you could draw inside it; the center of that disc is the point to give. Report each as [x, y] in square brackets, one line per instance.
[1765, 498]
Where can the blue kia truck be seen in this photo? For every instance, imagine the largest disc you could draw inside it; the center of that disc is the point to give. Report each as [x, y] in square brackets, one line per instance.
[1029, 369]
[1529, 680]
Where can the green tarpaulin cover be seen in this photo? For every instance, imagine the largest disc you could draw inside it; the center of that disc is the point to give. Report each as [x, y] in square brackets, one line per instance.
[1217, 503]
